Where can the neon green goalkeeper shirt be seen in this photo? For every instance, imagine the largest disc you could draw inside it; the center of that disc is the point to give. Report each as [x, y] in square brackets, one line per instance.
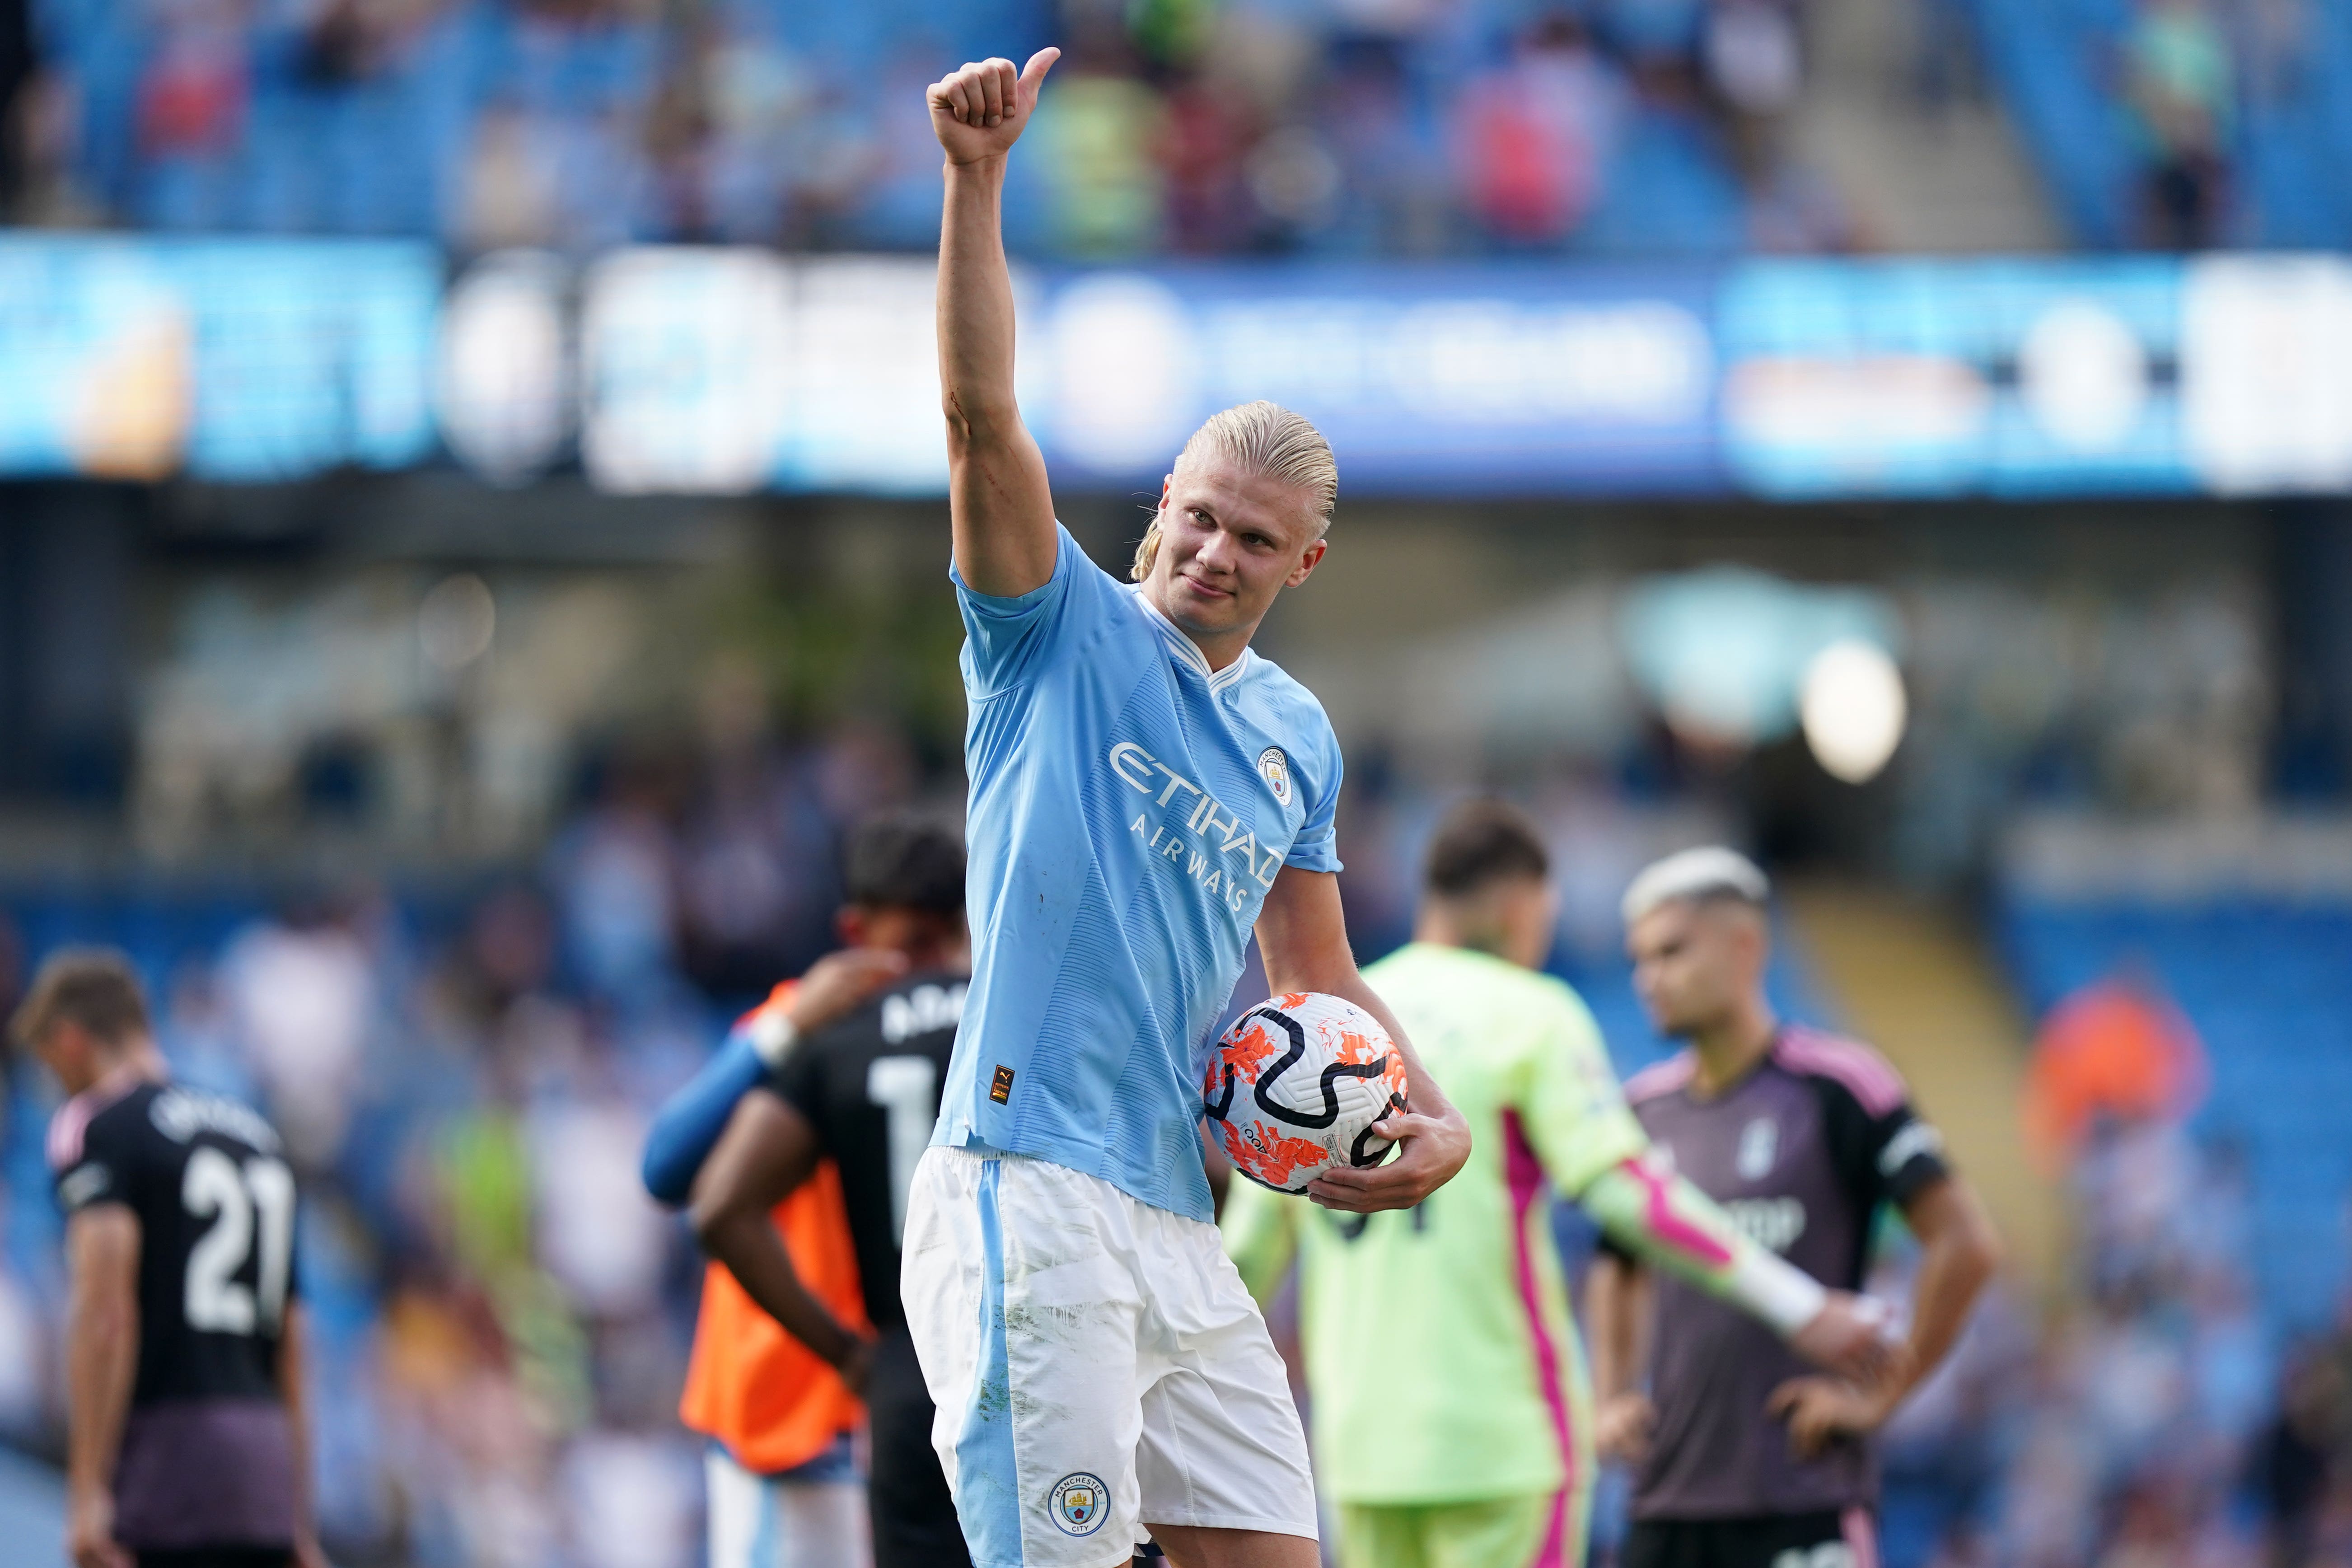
[1440, 1361]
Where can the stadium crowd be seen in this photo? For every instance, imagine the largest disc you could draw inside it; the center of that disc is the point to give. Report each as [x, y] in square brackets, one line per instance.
[1339, 127]
[502, 1316]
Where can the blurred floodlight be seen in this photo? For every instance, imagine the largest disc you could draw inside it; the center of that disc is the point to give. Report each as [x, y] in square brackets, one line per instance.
[1125, 378]
[1724, 652]
[96, 360]
[685, 371]
[1853, 708]
[2266, 372]
[505, 407]
[456, 622]
[2083, 375]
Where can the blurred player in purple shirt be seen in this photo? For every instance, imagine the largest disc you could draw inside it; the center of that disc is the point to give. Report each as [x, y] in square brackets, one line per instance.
[1744, 1458]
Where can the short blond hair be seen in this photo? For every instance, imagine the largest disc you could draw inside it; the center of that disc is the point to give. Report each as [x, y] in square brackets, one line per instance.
[1265, 440]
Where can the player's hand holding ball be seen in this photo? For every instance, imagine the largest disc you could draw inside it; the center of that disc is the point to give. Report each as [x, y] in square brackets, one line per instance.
[978, 112]
[1430, 1150]
[1305, 1093]
[1302, 1085]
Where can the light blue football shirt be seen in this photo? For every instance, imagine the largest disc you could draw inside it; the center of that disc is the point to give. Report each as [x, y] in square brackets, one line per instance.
[1128, 811]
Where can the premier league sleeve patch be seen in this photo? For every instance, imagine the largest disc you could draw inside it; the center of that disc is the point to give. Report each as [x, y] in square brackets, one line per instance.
[1080, 1504]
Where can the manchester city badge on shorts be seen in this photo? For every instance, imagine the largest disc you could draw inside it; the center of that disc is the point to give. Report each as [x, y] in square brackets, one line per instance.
[1080, 1504]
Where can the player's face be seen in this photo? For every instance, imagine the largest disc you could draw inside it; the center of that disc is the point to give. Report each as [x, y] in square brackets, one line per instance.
[1229, 542]
[1693, 964]
[70, 1052]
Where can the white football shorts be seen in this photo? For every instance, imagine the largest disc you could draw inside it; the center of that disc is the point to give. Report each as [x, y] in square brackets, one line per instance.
[1095, 1363]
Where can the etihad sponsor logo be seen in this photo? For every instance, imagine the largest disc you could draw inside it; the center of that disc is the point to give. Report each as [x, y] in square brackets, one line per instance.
[1773, 1224]
[1198, 834]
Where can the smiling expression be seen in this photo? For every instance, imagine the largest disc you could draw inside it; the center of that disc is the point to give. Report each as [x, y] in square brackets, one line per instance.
[1229, 542]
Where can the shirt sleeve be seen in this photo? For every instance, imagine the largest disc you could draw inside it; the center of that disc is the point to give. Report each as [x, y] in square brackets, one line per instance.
[1006, 641]
[799, 1082]
[1887, 1157]
[1317, 848]
[1570, 1105]
[689, 1125]
[97, 1168]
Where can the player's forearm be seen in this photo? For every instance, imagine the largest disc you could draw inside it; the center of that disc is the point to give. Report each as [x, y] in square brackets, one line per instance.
[1307, 950]
[999, 501]
[747, 1245]
[1426, 1096]
[1669, 1223]
[102, 1360]
[975, 306]
[1958, 1251]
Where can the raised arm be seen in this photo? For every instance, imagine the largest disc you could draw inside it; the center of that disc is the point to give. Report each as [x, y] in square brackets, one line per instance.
[998, 500]
[1302, 934]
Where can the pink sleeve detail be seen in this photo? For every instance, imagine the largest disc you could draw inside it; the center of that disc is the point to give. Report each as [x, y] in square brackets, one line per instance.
[1659, 1078]
[1665, 1225]
[1865, 1073]
[66, 1130]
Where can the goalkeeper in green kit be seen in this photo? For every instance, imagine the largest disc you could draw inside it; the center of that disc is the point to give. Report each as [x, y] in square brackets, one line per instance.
[1453, 1423]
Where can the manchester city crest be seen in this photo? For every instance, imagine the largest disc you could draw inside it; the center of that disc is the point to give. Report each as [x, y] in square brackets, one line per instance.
[1274, 769]
[1080, 1504]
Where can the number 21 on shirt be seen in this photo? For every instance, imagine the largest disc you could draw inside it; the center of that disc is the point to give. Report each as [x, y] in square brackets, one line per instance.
[247, 1204]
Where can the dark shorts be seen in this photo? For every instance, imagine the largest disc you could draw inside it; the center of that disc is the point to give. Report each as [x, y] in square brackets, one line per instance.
[914, 1514]
[217, 1557]
[1831, 1539]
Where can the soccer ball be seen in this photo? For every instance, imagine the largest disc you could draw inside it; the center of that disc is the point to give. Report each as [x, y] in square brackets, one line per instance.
[1294, 1086]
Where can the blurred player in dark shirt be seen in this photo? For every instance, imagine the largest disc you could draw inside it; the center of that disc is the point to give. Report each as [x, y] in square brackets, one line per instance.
[1744, 1456]
[863, 1092]
[185, 1427]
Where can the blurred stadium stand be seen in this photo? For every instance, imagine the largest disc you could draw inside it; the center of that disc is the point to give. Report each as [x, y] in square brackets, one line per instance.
[2175, 123]
[2248, 934]
[1611, 127]
[469, 541]
[1622, 126]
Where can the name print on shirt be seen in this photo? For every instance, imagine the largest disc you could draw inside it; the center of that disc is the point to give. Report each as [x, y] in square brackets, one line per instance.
[1196, 830]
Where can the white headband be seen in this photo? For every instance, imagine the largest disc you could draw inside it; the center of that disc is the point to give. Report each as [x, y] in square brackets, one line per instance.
[1696, 873]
